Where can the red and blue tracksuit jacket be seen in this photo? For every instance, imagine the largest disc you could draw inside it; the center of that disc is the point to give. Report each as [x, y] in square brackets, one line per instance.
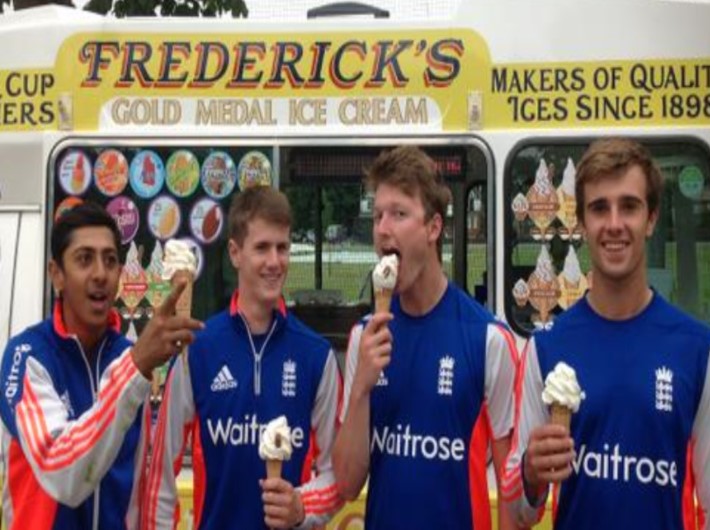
[73, 431]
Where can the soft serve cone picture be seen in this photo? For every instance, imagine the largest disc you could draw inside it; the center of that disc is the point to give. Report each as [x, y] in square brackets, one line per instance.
[132, 282]
[572, 282]
[567, 214]
[542, 200]
[384, 279]
[275, 446]
[543, 285]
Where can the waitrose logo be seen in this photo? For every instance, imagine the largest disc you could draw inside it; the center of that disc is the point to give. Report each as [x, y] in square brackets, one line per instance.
[246, 431]
[402, 442]
[611, 464]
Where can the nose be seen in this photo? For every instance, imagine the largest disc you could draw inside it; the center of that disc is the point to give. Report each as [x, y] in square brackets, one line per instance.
[100, 271]
[272, 257]
[615, 220]
[381, 224]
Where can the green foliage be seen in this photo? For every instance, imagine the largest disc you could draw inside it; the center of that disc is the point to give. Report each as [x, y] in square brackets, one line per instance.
[147, 8]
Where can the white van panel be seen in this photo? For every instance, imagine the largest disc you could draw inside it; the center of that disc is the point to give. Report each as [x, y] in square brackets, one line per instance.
[30, 273]
[9, 222]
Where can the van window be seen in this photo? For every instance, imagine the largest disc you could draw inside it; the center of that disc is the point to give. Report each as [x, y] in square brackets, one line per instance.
[332, 256]
[547, 262]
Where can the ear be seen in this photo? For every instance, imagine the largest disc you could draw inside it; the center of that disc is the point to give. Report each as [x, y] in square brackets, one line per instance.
[56, 275]
[651, 225]
[434, 228]
[235, 253]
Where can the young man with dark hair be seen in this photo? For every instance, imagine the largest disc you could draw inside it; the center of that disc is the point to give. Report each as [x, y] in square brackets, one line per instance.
[74, 388]
[253, 363]
[642, 364]
[422, 379]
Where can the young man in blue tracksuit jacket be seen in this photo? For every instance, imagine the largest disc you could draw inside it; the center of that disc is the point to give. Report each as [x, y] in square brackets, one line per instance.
[73, 390]
[254, 362]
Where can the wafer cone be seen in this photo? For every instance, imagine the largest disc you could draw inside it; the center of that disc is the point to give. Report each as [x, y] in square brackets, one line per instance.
[383, 299]
[183, 307]
[560, 415]
[273, 468]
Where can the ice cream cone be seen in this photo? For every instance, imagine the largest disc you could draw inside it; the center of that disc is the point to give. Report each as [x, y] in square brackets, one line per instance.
[560, 415]
[273, 468]
[383, 299]
[183, 307]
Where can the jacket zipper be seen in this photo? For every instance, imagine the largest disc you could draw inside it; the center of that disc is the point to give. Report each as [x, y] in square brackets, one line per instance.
[257, 355]
[93, 382]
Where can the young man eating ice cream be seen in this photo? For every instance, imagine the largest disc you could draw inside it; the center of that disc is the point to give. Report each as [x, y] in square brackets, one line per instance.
[643, 364]
[418, 377]
[253, 363]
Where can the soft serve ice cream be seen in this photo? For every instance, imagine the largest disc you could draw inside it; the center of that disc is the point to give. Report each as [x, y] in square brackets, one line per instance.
[562, 394]
[275, 445]
[384, 279]
[178, 257]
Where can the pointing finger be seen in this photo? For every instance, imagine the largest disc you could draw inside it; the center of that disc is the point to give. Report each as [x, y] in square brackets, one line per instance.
[167, 308]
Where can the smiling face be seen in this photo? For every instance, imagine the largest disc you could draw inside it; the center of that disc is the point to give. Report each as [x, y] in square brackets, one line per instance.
[262, 262]
[617, 221]
[400, 227]
[87, 280]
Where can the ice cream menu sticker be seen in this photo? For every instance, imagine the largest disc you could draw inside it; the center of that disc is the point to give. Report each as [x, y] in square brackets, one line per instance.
[164, 217]
[75, 172]
[111, 172]
[254, 170]
[183, 173]
[572, 282]
[206, 219]
[219, 175]
[147, 174]
[127, 217]
[542, 201]
[66, 205]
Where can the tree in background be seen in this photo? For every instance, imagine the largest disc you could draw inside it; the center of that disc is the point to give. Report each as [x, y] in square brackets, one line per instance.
[128, 8]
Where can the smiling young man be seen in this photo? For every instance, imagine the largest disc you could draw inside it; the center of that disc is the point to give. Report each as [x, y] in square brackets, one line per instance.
[253, 363]
[642, 364]
[74, 388]
[417, 379]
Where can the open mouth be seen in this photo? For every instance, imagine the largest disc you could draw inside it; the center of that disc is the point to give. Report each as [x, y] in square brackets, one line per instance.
[99, 300]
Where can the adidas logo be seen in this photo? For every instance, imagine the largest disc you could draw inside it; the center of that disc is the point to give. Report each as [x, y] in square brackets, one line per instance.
[223, 380]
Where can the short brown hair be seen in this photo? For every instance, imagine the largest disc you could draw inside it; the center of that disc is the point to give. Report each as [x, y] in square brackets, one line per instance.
[411, 170]
[263, 202]
[611, 158]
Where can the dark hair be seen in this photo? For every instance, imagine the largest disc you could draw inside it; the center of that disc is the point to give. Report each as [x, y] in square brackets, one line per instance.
[83, 215]
[411, 170]
[263, 202]
[611, 158]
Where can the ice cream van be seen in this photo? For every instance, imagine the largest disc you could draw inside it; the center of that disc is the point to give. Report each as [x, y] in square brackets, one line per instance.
[164, 120]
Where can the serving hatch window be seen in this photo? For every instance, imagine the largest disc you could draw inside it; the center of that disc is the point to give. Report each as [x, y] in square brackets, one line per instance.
[547, 261]
[332, 254]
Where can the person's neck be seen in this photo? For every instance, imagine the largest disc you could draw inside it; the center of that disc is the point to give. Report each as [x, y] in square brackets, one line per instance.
[424, 293]
[89, 338]
[619, 300]
[258, 317]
